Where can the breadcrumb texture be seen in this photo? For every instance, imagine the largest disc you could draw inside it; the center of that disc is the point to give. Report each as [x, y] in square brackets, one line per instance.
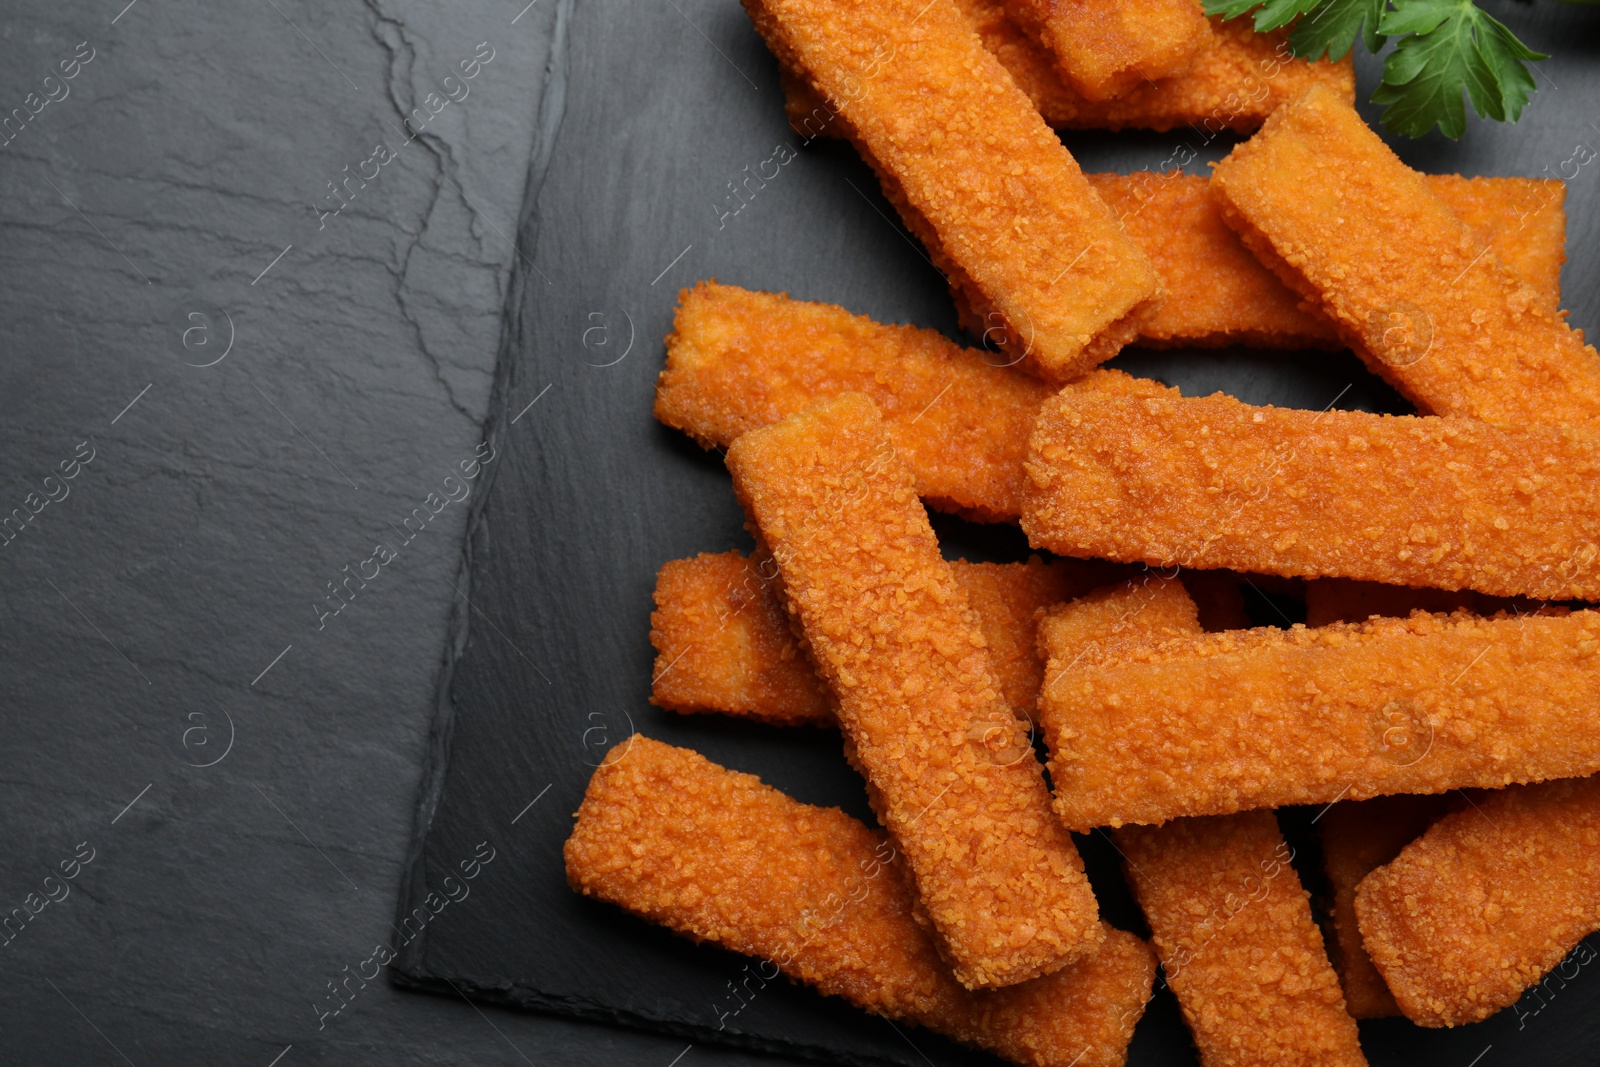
[1236, 78]
[891, 631]
[1357, 837]
[738, 359]
[1486, 902]
[1413, 289]
[1218, 293]
[718, 856]
[1233, 929]
[976, 173]
[724, 644]
[1104, 49]
[1228, 722]
[1447, 503]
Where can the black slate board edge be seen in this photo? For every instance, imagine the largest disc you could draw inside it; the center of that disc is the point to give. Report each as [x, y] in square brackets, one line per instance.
[436, 758]
[526, 998]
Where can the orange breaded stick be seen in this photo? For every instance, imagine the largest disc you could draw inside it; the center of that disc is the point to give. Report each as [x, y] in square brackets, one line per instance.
[738, 359]
[997, 200]
[1423, 300]
[1447, 503]
[1246, 961]
[1237, 78]
[718, 856]
[1218, 293]
[1104, 49]
[1358, 837]
[723, 641]
[1232, 927]
[891, 632]
[1260, 718]
[1486, 902]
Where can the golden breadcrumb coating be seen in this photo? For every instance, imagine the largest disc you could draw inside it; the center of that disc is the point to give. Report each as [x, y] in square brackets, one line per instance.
[1260, 718]
[1447, 503]
[1420, 297]
[1342, 600]
[724, 644]
[1236, 79]
[718, 856]
[1357, 837]
[1109, 624]
[1104, 49]
[1218, 293]
[738, 359]
[995, 197]
[891, 631]
[1233, 929]
[1486, 902]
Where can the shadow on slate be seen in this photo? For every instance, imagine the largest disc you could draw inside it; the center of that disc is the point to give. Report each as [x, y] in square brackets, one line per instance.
[653, 113]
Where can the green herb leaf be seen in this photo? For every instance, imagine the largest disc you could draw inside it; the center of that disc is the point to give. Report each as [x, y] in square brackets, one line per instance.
[1269, 16]
[1330, 28]
[1450, 46]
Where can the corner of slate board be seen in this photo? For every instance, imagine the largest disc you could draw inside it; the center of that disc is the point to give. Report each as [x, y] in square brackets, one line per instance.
[550, 663]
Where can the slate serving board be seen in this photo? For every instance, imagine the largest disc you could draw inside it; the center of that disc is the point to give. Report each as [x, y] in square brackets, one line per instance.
[652, 110]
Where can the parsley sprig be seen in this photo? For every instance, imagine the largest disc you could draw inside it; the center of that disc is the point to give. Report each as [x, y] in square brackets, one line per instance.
[1445, 47]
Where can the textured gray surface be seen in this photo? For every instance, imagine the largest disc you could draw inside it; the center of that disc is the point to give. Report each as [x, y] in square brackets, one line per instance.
[197, 143]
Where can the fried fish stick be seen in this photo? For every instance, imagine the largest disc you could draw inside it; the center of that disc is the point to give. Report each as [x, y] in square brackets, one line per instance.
[1232, 927]
[1357, 837]
[978, 176]
[1431, 308]
[723, 641]
[1486, 902]
[1448, 503]
[1261, 718]
[739, 359]
[1237, 78]
[1104, 49]
[1218, 293]
[718, 856]
[891, 631]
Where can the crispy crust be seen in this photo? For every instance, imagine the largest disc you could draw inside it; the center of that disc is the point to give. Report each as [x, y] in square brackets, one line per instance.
[1233, 929]
[1319, 198]
[988, 186]
[891, 631]
[1486, 902]
[1356, 838]
[1342, 600]
[738, 359]
[1103, 50]
[1217, 293]
[1237, 78]
[1262, 718]
[1447, 503]
[724, 644]
[718, 856]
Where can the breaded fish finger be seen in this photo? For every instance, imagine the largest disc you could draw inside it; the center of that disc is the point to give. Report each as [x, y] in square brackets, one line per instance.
[1104, 49]
[1448, 503]
[1261, 718]
[1422, 299]
[891, 631]
[718, 856]
[1342, 600]
[1232, 927]
[1236, 79]
[738, 359]
[1486, 902]
[1357, 837]
[724, 644]
[995, 197]
[1218, 293]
